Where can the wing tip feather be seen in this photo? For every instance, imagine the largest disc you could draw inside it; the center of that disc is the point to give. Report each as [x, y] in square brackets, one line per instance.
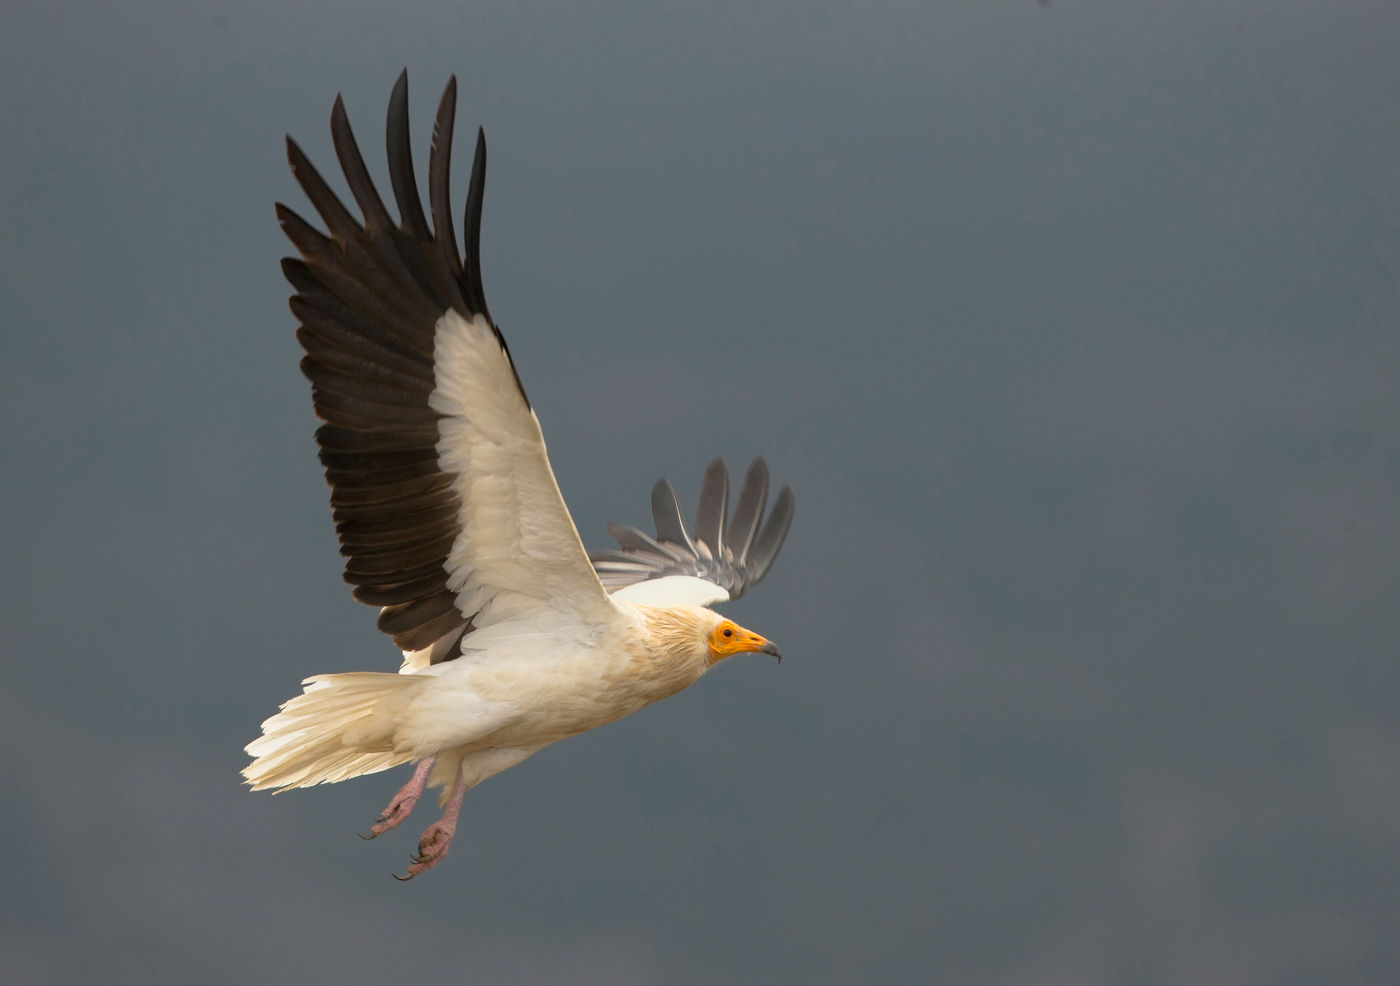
[734, 565]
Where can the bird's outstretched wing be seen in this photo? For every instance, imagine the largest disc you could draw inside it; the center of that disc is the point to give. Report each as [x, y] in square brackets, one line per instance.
[446, 507]
[731, 552]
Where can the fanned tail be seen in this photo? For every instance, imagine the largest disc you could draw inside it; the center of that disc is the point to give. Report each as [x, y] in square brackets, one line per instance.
[341, 726]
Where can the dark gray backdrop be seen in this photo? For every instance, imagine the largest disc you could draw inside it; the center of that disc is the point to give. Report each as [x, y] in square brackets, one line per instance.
[1074, 327]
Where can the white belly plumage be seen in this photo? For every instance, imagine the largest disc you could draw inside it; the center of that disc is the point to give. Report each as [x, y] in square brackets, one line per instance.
[495, 700]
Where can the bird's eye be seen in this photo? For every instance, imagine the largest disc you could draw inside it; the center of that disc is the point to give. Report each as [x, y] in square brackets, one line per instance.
[728, 632]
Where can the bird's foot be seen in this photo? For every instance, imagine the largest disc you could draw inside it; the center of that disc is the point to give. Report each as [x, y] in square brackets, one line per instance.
[398, 810]
[401, 805]
[432, 847]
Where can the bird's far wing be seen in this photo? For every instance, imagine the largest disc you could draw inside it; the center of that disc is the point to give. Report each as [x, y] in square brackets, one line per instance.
[443, 498]
[727, 554]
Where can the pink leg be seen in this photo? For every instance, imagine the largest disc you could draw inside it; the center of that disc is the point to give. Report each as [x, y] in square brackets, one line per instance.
[433, 846]
[402, 803]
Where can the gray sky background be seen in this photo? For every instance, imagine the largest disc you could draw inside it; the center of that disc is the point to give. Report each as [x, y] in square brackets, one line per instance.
[1074, 327]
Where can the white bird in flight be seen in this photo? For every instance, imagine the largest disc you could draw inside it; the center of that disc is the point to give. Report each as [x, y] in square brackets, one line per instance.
[513, 637]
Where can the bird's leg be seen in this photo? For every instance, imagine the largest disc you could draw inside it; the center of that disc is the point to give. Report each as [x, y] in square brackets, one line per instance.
[402, 803]
[433, 846]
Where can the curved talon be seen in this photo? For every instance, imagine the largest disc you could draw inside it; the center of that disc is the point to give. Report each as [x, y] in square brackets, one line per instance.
[403, 879]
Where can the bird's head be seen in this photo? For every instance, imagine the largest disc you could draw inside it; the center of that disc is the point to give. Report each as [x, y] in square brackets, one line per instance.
[727, 638]
[698, 637]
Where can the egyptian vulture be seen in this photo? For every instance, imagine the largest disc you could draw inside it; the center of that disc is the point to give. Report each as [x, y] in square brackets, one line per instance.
[448, 514]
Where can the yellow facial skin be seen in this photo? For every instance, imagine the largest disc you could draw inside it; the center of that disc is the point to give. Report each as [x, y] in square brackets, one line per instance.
[729, 638]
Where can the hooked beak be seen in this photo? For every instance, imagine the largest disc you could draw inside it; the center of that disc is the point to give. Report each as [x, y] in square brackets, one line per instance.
[729, 638]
